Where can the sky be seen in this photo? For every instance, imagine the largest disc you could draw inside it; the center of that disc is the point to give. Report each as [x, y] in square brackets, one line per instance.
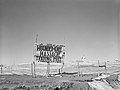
[87, 27]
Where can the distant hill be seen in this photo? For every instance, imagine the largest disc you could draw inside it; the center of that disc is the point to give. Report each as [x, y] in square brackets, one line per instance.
[25, 68]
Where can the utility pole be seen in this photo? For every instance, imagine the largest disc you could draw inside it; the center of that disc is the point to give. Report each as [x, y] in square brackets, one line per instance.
[34, 74]
[98, 68]
[33, 63]
[78, 67]
[1, 68]
[118, 29]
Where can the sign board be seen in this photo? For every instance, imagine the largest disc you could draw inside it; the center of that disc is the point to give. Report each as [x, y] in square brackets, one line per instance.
[49, 53]
[1, 65]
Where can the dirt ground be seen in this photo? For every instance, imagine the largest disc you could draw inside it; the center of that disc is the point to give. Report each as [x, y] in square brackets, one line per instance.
[10, 82]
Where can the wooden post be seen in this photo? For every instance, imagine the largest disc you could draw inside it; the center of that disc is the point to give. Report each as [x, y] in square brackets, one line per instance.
[78, 68]
[34, 74]
[48, 68]
[32, 69]
[98, 68]
[33, 64]
[59, 72]
[118, 29]
[1, 68]
[105, 68]
[62, 67]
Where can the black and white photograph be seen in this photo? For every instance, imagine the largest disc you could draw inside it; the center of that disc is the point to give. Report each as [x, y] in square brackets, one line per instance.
[59, 44]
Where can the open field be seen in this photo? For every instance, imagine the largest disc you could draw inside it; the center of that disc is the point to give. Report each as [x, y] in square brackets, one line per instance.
[12, 81]
[54, 68]
[19, 78]
[66, 82]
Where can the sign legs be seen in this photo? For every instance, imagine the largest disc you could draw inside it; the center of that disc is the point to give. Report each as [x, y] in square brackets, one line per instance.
[33, 69]
[48, 69]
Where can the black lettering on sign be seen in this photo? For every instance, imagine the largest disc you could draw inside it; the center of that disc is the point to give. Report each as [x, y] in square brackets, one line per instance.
[43, 48]
[55, 48]
[51, 48]
[44, 54]
[40, 47]
[37, 47]
[52, 54]
[48, 53]
[41, 53]
[59, 49]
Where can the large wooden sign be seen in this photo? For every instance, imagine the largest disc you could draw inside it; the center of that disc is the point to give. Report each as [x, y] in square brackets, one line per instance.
[49, 53]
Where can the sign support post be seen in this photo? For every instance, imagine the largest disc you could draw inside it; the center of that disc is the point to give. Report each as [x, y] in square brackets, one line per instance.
[48, 68]
[62, 67]
[34, 74]
[33, 69]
